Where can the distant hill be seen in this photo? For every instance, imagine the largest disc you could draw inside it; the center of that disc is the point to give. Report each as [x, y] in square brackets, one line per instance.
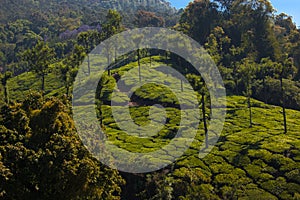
[152, 5]
[16, 9]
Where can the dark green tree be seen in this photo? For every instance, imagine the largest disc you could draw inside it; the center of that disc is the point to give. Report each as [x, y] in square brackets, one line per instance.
[247, 71]
[137, 40]
[40, 58]
[113, 24]
[4, 78]
[199, 85]
[218, 44]
[198, 19]
[265, 69]
[88, 40]
[42, 157]
[284, 70]
[69, 67]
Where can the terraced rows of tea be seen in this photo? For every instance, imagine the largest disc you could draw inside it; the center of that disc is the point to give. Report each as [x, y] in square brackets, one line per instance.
[260, 162]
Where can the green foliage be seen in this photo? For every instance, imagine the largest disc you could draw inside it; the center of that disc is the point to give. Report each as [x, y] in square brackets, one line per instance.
[69, 68]
[39, 58]
[4, 78]
[23, 85]
[113, 24]
[198, 19]
[42, 157]
[148, 19]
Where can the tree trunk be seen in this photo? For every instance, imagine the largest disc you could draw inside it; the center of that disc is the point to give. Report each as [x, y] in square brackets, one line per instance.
[283, 106]
[236, 87]
[250, 110]
[139, 64]
[181, 81]
[43, 84]
[181, 84]
[6, 98]
[265, 90]
[204, 120]
[67, 84]
[100, 114]
[89, 65]
[166, 55]
[68, 88]
[108, 62]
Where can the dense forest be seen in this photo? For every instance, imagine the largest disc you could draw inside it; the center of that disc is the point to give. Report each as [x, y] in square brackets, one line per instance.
[44, 43]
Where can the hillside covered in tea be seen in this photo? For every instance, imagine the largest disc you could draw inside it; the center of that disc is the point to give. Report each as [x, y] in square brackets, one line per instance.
[43, 46]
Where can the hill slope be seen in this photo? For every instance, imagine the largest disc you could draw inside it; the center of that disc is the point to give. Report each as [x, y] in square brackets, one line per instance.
[259, 162]
[23, 9]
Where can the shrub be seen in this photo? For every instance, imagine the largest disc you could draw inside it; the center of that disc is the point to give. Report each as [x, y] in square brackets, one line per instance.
[263, 154]
[293, 175]
[276, 187]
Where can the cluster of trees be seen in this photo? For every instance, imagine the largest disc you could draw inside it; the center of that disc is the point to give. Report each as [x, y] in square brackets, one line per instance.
[64, 57]
[145, 18]
[255, 50]
[66, 31]
[42, 157]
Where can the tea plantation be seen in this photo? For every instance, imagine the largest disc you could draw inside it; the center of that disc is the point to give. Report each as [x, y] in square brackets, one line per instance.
[260, 162]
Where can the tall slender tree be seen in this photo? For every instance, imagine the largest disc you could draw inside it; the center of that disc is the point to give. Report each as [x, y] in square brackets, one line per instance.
[113, 24]
[284, 70]
[88, 41]
[198, 19]
[137, 40]
[247, 70]
[199, 85]
[69, 68]
[4, 78]
[39, 58]
[264, 70]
